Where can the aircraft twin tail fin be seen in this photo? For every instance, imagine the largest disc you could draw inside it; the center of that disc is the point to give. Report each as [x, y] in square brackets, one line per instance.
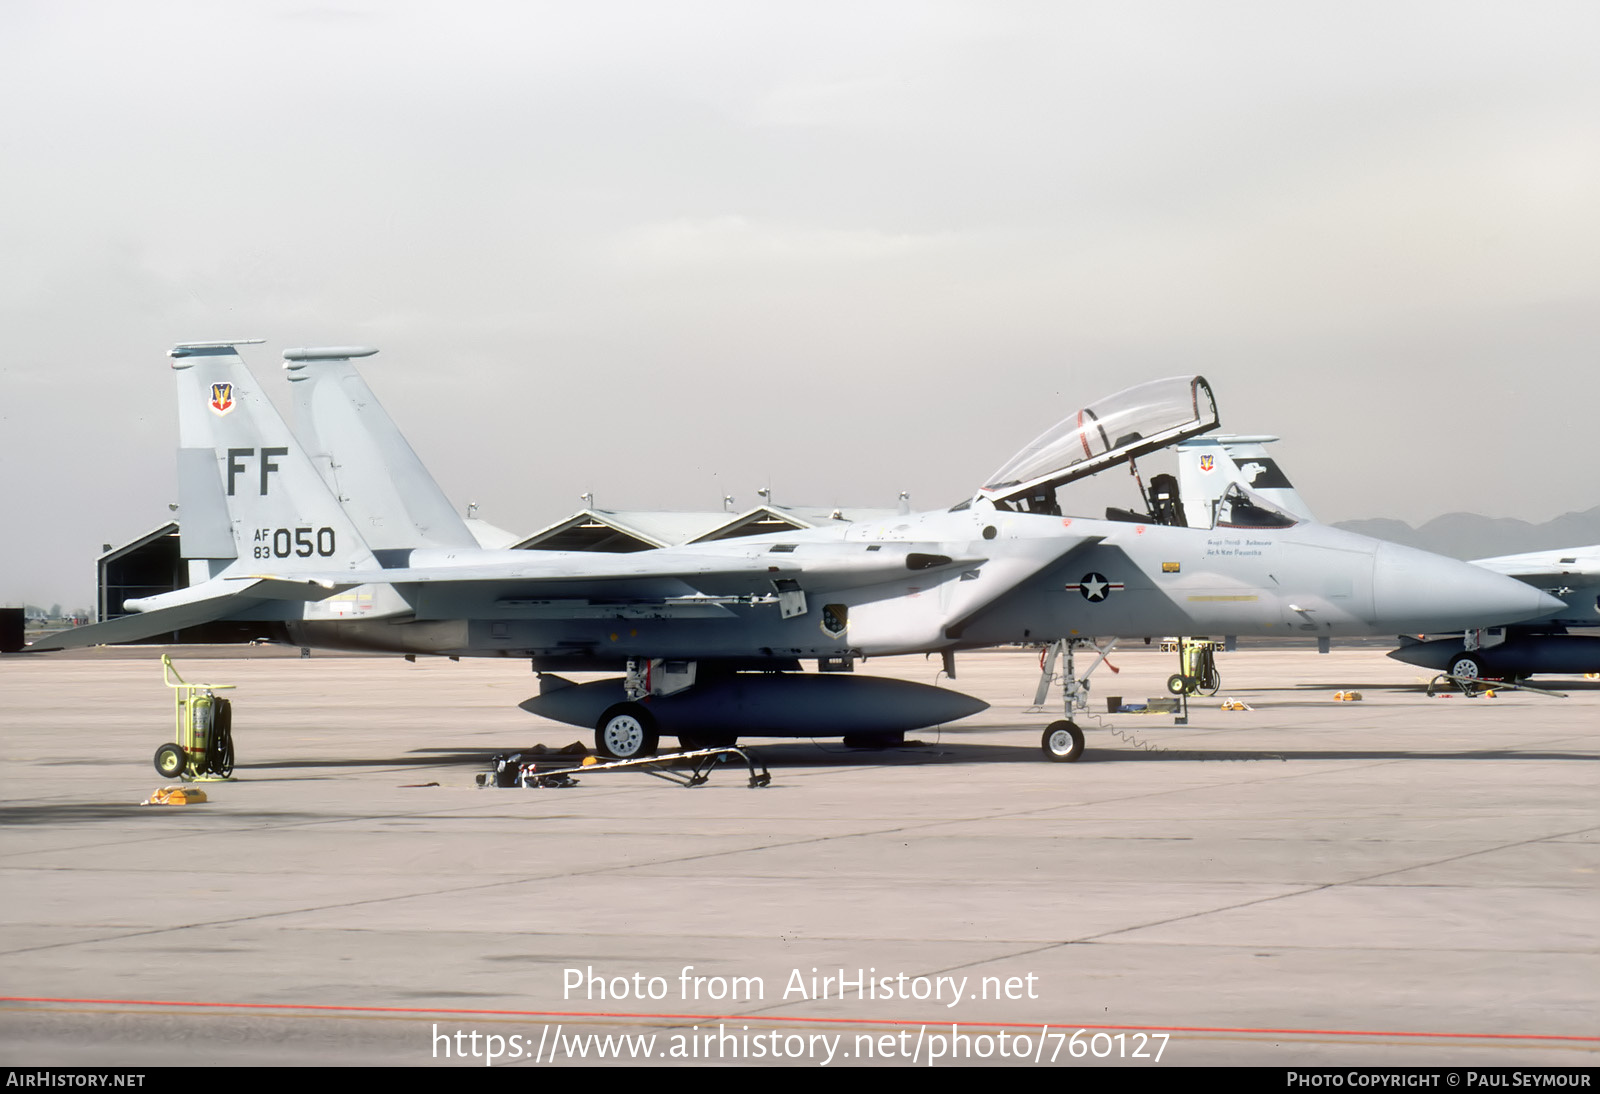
[1208, 465]
[248, 492]
[363, 457]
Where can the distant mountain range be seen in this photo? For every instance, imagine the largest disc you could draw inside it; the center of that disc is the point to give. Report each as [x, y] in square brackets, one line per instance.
[1467, 535]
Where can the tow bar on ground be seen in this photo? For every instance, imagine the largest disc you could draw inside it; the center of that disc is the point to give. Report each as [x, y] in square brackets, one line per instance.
[703, 761]
[1473, 686]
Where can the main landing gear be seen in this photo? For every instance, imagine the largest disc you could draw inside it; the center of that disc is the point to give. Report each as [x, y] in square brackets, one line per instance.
[627, 731]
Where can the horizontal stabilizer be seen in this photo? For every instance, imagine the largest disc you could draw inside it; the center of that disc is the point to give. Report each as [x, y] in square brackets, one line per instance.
[132, 628]
[268, 587]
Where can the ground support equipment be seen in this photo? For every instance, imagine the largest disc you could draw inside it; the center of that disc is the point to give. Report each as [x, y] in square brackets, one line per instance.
[702, 761]
[1197, 668]
[203, 751]
[1474, 686]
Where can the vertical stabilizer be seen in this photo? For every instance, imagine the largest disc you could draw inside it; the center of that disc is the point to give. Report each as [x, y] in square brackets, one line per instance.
[1207, 465]
[363, 457]
[248, 490]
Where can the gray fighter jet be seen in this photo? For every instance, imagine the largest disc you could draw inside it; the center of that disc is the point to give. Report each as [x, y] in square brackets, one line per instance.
[1536, 646]
[339, 539]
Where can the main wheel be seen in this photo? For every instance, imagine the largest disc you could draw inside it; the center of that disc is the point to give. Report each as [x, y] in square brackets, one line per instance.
[170, 761]
[1063, 742]
[626, 732]
[1469, 667]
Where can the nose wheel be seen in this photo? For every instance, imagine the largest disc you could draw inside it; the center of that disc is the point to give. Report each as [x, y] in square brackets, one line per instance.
[1062, 742]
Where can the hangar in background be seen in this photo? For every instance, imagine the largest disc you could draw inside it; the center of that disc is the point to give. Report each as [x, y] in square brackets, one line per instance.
[621, 531]
[144, 566]
[149, 565]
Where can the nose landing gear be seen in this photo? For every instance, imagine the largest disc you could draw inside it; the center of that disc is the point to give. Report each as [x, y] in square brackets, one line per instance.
[1063, 740]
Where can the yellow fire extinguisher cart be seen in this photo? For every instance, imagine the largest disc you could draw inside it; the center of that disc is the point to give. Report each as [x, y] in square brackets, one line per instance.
[203, 751]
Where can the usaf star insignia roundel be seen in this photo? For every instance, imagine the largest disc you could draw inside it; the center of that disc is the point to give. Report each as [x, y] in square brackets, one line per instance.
[1095, 587]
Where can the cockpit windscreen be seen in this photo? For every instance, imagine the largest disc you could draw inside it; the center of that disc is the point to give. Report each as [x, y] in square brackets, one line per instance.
[1242, 508]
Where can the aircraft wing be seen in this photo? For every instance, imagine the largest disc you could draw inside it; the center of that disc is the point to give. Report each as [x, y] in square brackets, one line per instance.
[1571, 573]
[559, 574]
[1548, 567]
[837, 567]
[1004, 576]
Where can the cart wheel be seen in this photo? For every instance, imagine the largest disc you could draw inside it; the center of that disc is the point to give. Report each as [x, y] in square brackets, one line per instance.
[1177, 683]
[1062, 742]
[170, 761]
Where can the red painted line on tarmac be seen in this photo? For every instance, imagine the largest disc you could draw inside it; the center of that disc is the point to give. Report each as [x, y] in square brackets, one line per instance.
[336, 1008]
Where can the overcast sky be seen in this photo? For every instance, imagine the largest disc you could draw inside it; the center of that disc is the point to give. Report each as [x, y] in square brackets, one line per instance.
[668, 251]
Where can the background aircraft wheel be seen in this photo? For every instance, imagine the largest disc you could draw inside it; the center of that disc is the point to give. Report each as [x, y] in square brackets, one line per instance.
[874, 740]
[1063, 742]
[170, 761]
[1466, 666]
[1177, 684]
[626, 732]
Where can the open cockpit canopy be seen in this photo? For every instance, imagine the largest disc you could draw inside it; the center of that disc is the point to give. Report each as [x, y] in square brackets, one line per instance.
[1114, 430]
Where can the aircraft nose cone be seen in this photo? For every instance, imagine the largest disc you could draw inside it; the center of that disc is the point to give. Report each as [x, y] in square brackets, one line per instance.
[1434, 593]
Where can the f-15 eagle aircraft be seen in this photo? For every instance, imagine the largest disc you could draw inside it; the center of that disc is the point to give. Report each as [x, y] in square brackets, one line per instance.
[711, 635]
